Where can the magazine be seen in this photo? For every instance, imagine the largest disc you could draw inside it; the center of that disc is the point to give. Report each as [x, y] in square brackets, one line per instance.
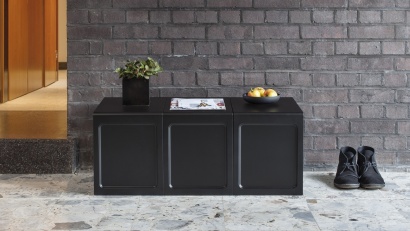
[197, 104]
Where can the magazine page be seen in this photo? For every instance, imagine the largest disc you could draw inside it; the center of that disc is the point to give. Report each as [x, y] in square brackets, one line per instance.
[197, 104]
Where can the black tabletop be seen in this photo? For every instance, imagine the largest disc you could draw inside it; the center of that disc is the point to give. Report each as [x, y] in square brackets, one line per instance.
[285, 105]
[113, 105]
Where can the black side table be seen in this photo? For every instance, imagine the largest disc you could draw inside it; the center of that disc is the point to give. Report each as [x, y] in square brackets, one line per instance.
[128, 148]
[268, 148]
[197, 151]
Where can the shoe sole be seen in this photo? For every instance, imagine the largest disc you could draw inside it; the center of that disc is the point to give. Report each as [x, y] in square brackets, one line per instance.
[347, 186]
[372, 186]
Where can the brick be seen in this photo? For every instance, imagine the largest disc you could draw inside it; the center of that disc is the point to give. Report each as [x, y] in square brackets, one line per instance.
[107, 79]
[373, 141]
[324, 3]
[325, 143]
[395, 143]
[323, 48]
[301, 79]
[370, 16]
[114, 47]
[95, 16]
[381, 64]
[299, 16]
[371, 3]
[207, 16]
[114, 16]
[229, 48]
[403, 96]
[232, 79]
[371, 32]
[89, 32]
[321, 63]
[183, 92]
[78, 16]
[369, 48]
[230, 63]
[403, 32]
[253, 16]
[182, 3]
[229, 3]
[325, 112]
[403, 158]
[323, 16]
[402, 64]
[307, 142]
[394, 48]
[78, 79]
[318, 158]
[346, 79]
[397, 111]
[276, 4]
[346, 16]
[403, 3]
[96, 47]
[134, 4]
[373, 126]
[184, 48]
[225, 92]
[184, 78]
[160, 48]
[186, 32]
[281, 63]
[183, 17]
[323, 32]
[90, 94]
[137, 16]
[184, 63]
[230, 32]
[78, 110]
[348, 111]
[372, 111]
[324, 80]
[394, 79]
[81, 4]
[122, 31]
[277, 16]
[394, 16]
[277, 79]
[276, 48]
[160, 17]
[326, 96]
[403, 127]
[300, 48]
[230, 16]
[90, 63]
[206, 48]
[78, 48]
[371, 79]
[328, 126]
[276, 32]
[295, 93]
[249, 48]
[307, 110]
[163, 79]
[207, 79]
[346, 48]
[372, 95]
[352, 141]
[137, 47]
[254, 79]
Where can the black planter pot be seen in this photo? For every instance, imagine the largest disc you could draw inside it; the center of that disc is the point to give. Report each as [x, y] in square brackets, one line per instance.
[135, 91]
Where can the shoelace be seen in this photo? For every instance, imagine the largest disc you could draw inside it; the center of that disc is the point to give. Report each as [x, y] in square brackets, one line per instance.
[350, 167]
[367, 166]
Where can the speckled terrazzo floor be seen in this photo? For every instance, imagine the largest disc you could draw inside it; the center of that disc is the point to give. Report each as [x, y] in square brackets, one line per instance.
[66, 202]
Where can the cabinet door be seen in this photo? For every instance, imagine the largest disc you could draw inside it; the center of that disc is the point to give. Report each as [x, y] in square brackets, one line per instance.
[198, 155]
[128, 157]
[267, 157]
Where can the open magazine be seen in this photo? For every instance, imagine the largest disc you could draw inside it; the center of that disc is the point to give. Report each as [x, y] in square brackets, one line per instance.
[197, 104]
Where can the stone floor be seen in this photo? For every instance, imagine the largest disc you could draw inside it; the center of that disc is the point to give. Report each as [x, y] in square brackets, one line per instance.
[66, 202]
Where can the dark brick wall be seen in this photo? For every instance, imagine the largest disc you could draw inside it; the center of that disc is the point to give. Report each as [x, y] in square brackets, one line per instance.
[344, 61]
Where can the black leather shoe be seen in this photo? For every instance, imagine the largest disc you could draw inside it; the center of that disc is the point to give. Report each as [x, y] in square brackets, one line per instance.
[369, 175]
[346, 175]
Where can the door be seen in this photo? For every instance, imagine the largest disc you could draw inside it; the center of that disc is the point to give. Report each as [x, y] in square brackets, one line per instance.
[50, 27]
[35, 45]
[2, 52]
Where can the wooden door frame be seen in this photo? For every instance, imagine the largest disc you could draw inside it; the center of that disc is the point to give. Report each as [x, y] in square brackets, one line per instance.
[2, 51]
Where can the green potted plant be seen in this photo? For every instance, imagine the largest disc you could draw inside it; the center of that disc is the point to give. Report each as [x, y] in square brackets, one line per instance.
[135, 80]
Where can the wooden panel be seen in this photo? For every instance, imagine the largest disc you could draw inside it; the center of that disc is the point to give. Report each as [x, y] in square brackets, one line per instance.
[2, 51]
[18, 47]
[36, 45]
[50, 26]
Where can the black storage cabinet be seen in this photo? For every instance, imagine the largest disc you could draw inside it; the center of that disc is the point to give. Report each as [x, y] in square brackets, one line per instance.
[128, 148]
[197, 151]
[268, 148]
